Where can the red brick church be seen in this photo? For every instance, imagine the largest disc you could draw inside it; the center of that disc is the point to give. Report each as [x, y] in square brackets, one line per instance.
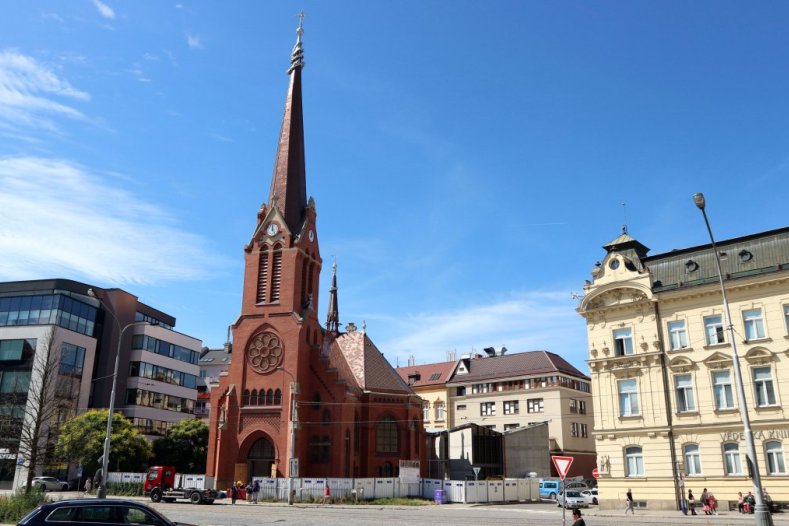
[354, 416]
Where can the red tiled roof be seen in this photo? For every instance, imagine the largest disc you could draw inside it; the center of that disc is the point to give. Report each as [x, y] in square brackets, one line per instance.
[518, 364]
[428, 374]
[368, 368]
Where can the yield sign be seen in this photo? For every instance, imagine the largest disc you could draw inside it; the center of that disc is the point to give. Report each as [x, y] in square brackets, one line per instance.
[562, 465]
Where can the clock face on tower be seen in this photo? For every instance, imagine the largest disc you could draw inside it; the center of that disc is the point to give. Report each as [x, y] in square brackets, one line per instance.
[272, 229]
[264, 352]
[312, 235]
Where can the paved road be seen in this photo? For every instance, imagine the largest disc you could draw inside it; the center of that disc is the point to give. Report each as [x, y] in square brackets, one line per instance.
[223, 513]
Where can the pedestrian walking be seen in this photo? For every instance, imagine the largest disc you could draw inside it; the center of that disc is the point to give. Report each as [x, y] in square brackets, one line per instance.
[629, 502]
[88, 485]
[713, 503]
[248, 489]
[233, 494]
[326, 494]
[255, 491]
[578, 520]
[705, 501]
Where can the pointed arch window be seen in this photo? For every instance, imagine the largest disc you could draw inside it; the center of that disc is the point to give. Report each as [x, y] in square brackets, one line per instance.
[253, 399]
[245, 398]
[270, 397]
[276, 273]
[386, 436]
[304, 270]
[262, 275]
[278, 397]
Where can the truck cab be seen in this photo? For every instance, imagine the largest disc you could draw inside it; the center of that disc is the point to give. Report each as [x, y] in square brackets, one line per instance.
[159, 486]
[162, 477]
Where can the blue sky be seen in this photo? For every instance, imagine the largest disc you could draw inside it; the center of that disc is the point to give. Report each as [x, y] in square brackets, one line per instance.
[468, 159]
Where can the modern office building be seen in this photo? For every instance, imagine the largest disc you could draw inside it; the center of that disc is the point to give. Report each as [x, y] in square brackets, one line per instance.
[667, 417]
[76, 327]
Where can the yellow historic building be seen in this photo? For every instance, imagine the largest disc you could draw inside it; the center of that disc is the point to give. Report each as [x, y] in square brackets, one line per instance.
[666, 416]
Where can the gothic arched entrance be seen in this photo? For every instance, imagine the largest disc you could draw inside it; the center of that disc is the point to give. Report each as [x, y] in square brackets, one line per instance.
[260, 458]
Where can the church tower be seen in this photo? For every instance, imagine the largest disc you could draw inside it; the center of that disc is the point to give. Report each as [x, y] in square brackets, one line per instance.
[299, 400]
[278, 329]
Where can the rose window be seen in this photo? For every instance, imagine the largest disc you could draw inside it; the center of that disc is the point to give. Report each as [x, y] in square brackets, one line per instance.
[264, 352]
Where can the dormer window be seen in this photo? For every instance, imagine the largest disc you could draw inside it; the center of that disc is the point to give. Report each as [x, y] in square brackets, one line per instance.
[413, 378]
[613, 264]
[691, 266]
[745, 256]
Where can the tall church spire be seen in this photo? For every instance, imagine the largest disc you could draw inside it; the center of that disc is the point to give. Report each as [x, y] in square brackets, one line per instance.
[288, 184]
[333, 314]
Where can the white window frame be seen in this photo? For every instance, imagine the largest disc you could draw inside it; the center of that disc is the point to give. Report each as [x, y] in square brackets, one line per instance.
[692, 455]
[440, 413]
[764, 388]
[584, 431]
[487, 409]
[426, 411]
[786, 317]
[714, 332]
[623, 342]
[677, 335]
[723, 393]
[732, 463]
[511, 407]
[628, 398]
[774, 453]
[753, 321]
[634, 461]
[535, 405]
[686, 400]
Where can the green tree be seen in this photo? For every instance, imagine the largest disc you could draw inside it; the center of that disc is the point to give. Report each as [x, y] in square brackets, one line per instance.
[185, 446]
[81, 440]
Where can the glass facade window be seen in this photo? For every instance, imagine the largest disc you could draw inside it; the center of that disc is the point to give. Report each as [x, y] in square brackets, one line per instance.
[147, 426]
[634, 462]
[763, 385]
[628, 398]
[48, 309]
[534, 405]
[163, 348]
[685, 399]
[162, 374]
[139, 316]
[754, 324]
[692, 459]
[731, 459]
[623, 342]
[141, 397]
[721, 384]
[678, 335]
[774, 452]
[11, 350]
[713, 330]
[72, 358]
[386, 436]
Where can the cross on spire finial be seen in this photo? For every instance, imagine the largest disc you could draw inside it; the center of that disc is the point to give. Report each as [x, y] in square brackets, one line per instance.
[297, 56]
[300, 29]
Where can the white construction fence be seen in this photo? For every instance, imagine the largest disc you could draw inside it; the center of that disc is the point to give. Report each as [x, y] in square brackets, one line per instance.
[313, 489]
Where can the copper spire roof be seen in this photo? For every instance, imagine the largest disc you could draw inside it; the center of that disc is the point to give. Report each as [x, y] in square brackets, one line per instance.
[333, 314]
[288, 184]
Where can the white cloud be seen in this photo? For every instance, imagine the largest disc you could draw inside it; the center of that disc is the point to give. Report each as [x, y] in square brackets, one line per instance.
[31, 94]
[194, 41]
[535, 320]
[59, 220]
[105, 10]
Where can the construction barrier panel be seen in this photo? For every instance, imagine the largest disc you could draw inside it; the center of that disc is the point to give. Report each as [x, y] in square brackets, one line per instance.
[495, 491]
[455, 490]
[511, 490]
[384, 488]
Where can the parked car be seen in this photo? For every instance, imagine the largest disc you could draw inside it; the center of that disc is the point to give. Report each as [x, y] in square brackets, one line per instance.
[90, 512]
[571, 499]
[50, 483]
[590, 495]
[578, 486]
[549, 489]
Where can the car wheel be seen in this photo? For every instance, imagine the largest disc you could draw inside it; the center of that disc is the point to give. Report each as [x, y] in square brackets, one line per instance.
[64, 488]
[552, 495]
[156, 495]
[195, 497]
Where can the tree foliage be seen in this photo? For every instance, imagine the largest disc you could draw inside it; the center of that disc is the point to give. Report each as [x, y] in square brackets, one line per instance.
[185, 446]
[82, 441]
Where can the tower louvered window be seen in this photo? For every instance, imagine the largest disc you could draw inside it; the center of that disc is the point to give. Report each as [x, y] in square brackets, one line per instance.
[276, 275]
[262, 276]
[304, 269]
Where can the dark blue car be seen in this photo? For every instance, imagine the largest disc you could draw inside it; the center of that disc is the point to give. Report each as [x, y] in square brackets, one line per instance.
[95, 512]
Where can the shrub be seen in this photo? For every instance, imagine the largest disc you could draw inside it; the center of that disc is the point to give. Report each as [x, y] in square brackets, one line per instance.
[19, 504]
[124, 489]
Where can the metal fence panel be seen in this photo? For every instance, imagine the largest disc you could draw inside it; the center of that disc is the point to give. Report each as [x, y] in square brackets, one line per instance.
[429, 487]
[384, 488]
[495, 491]
[365, 488]
[455, 490]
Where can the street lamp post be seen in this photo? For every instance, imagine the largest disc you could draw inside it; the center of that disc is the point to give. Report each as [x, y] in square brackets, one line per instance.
[293, 417]
[102, 489]
[762, 514]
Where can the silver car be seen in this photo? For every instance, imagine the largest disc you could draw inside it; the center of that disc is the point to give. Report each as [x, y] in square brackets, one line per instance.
[571, 499]
[50, 483]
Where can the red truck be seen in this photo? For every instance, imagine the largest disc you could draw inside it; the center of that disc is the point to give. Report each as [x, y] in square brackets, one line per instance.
[159, 486]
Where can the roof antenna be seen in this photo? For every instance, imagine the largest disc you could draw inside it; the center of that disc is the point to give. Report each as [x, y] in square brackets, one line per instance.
[624, 213]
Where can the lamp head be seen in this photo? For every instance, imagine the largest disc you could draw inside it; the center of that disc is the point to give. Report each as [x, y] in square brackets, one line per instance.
[91, 293]
[698, 198]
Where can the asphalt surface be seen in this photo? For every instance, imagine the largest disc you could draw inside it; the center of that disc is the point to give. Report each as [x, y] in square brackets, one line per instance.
[546, 513]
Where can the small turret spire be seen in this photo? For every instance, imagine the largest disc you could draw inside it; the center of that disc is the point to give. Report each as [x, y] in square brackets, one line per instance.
[333, 314]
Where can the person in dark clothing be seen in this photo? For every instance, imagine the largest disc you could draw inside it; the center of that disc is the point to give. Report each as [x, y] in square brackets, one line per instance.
[578, 520]
[629, 502]
[233, 494]
[692, 502]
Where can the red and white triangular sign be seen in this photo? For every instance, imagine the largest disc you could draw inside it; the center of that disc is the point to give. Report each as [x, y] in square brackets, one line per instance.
[562, 465]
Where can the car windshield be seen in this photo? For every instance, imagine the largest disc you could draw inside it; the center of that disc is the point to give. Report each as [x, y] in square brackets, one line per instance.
[153, 474]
